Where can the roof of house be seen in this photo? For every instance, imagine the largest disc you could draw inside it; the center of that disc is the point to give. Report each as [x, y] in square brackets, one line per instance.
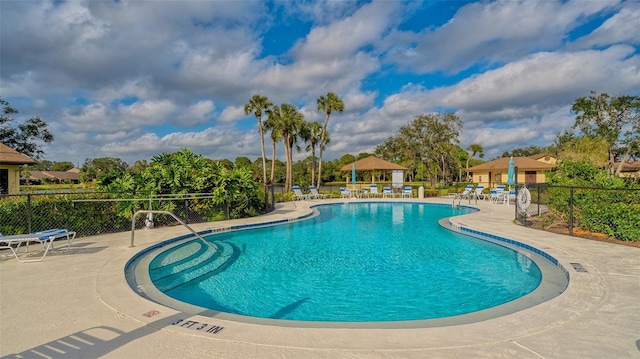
[70, 175]
[628, 166]
[523, 164]
[11, 156]
[373, 163]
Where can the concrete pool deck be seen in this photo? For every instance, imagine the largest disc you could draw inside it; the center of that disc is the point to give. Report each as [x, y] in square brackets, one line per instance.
[79, 305]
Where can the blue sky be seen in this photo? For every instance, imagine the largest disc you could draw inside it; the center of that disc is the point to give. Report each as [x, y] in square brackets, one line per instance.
[132, 79]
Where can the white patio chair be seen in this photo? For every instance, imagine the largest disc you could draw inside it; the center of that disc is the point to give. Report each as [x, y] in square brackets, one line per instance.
[407, 192]
[298, 195]
[316, 194]
[373, 190]
[466, 193]
[345, 193]
[498, 195]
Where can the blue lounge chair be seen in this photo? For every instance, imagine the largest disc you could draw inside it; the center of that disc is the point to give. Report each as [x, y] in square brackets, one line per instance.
[46, 238]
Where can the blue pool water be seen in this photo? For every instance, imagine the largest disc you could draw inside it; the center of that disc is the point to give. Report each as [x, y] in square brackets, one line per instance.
[357, 262]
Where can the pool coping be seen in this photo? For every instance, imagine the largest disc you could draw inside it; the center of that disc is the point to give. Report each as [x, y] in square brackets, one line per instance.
[555, 279]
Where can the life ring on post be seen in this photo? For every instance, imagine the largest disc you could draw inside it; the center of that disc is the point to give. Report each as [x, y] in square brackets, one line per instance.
[524, 199]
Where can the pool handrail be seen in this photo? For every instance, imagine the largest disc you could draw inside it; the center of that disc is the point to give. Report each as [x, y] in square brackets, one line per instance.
[133, 226]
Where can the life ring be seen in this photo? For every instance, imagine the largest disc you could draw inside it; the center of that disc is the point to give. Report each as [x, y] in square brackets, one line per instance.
[524, 199]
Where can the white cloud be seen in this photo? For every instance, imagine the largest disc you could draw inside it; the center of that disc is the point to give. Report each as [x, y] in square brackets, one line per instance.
[347, 36]
[197, 113]
[545, 80]
[211, 142]
[81, 64]
[490, 32]
[232, 113]
[622, 27]
[98, 118]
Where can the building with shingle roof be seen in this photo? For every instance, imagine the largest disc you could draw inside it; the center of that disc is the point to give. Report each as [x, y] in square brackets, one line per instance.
[630, 168]
[529, 170]
[70, 176]
[10, 162]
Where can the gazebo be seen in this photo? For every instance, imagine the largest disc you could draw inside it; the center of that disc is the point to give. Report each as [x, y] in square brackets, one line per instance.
[373, 163]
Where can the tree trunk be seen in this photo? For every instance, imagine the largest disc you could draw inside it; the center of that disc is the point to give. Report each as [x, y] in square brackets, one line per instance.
[319, 168]
[322, 144]
[313, 165]
[624, 159]
[264, 156]
[290, 164]
[287, 174]
[612, 160]
[273, 161]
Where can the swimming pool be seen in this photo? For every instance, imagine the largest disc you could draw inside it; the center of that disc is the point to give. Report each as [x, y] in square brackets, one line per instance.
[357, 262]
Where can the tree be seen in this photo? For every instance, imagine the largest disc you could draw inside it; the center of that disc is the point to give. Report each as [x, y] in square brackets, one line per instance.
[474, 149]
[525, 151]
[24, 137]
[614, 119]
[587, 149]
[233, 188]
[179, 172]
[93, 169]
[62, 166]
[226, 163]
[186, 172]
[243, 162]
[290, 121]
[139, 166]
[328, 104]
[433, 141]
[42, 165]
[257, 104]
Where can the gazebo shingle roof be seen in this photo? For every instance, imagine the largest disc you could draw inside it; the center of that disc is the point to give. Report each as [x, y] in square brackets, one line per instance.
[373, 163]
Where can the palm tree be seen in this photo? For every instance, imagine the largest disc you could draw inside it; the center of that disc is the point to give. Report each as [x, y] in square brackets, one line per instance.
[327, 104]
[475, 149]
[257, 104]
[313, 135]
[290, 122]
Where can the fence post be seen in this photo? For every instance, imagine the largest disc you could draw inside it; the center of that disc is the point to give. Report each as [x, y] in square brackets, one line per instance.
[571, 211]
[538, 188]
[186, 210]
[29, 212]
[267, 205]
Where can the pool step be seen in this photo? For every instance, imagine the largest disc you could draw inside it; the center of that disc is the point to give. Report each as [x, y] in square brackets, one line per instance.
[197, 269]
[178, 259]
[180, 254]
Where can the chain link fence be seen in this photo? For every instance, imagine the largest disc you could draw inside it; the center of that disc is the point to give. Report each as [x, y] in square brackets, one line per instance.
[571, 210]
[578, 211]
[92, 213]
